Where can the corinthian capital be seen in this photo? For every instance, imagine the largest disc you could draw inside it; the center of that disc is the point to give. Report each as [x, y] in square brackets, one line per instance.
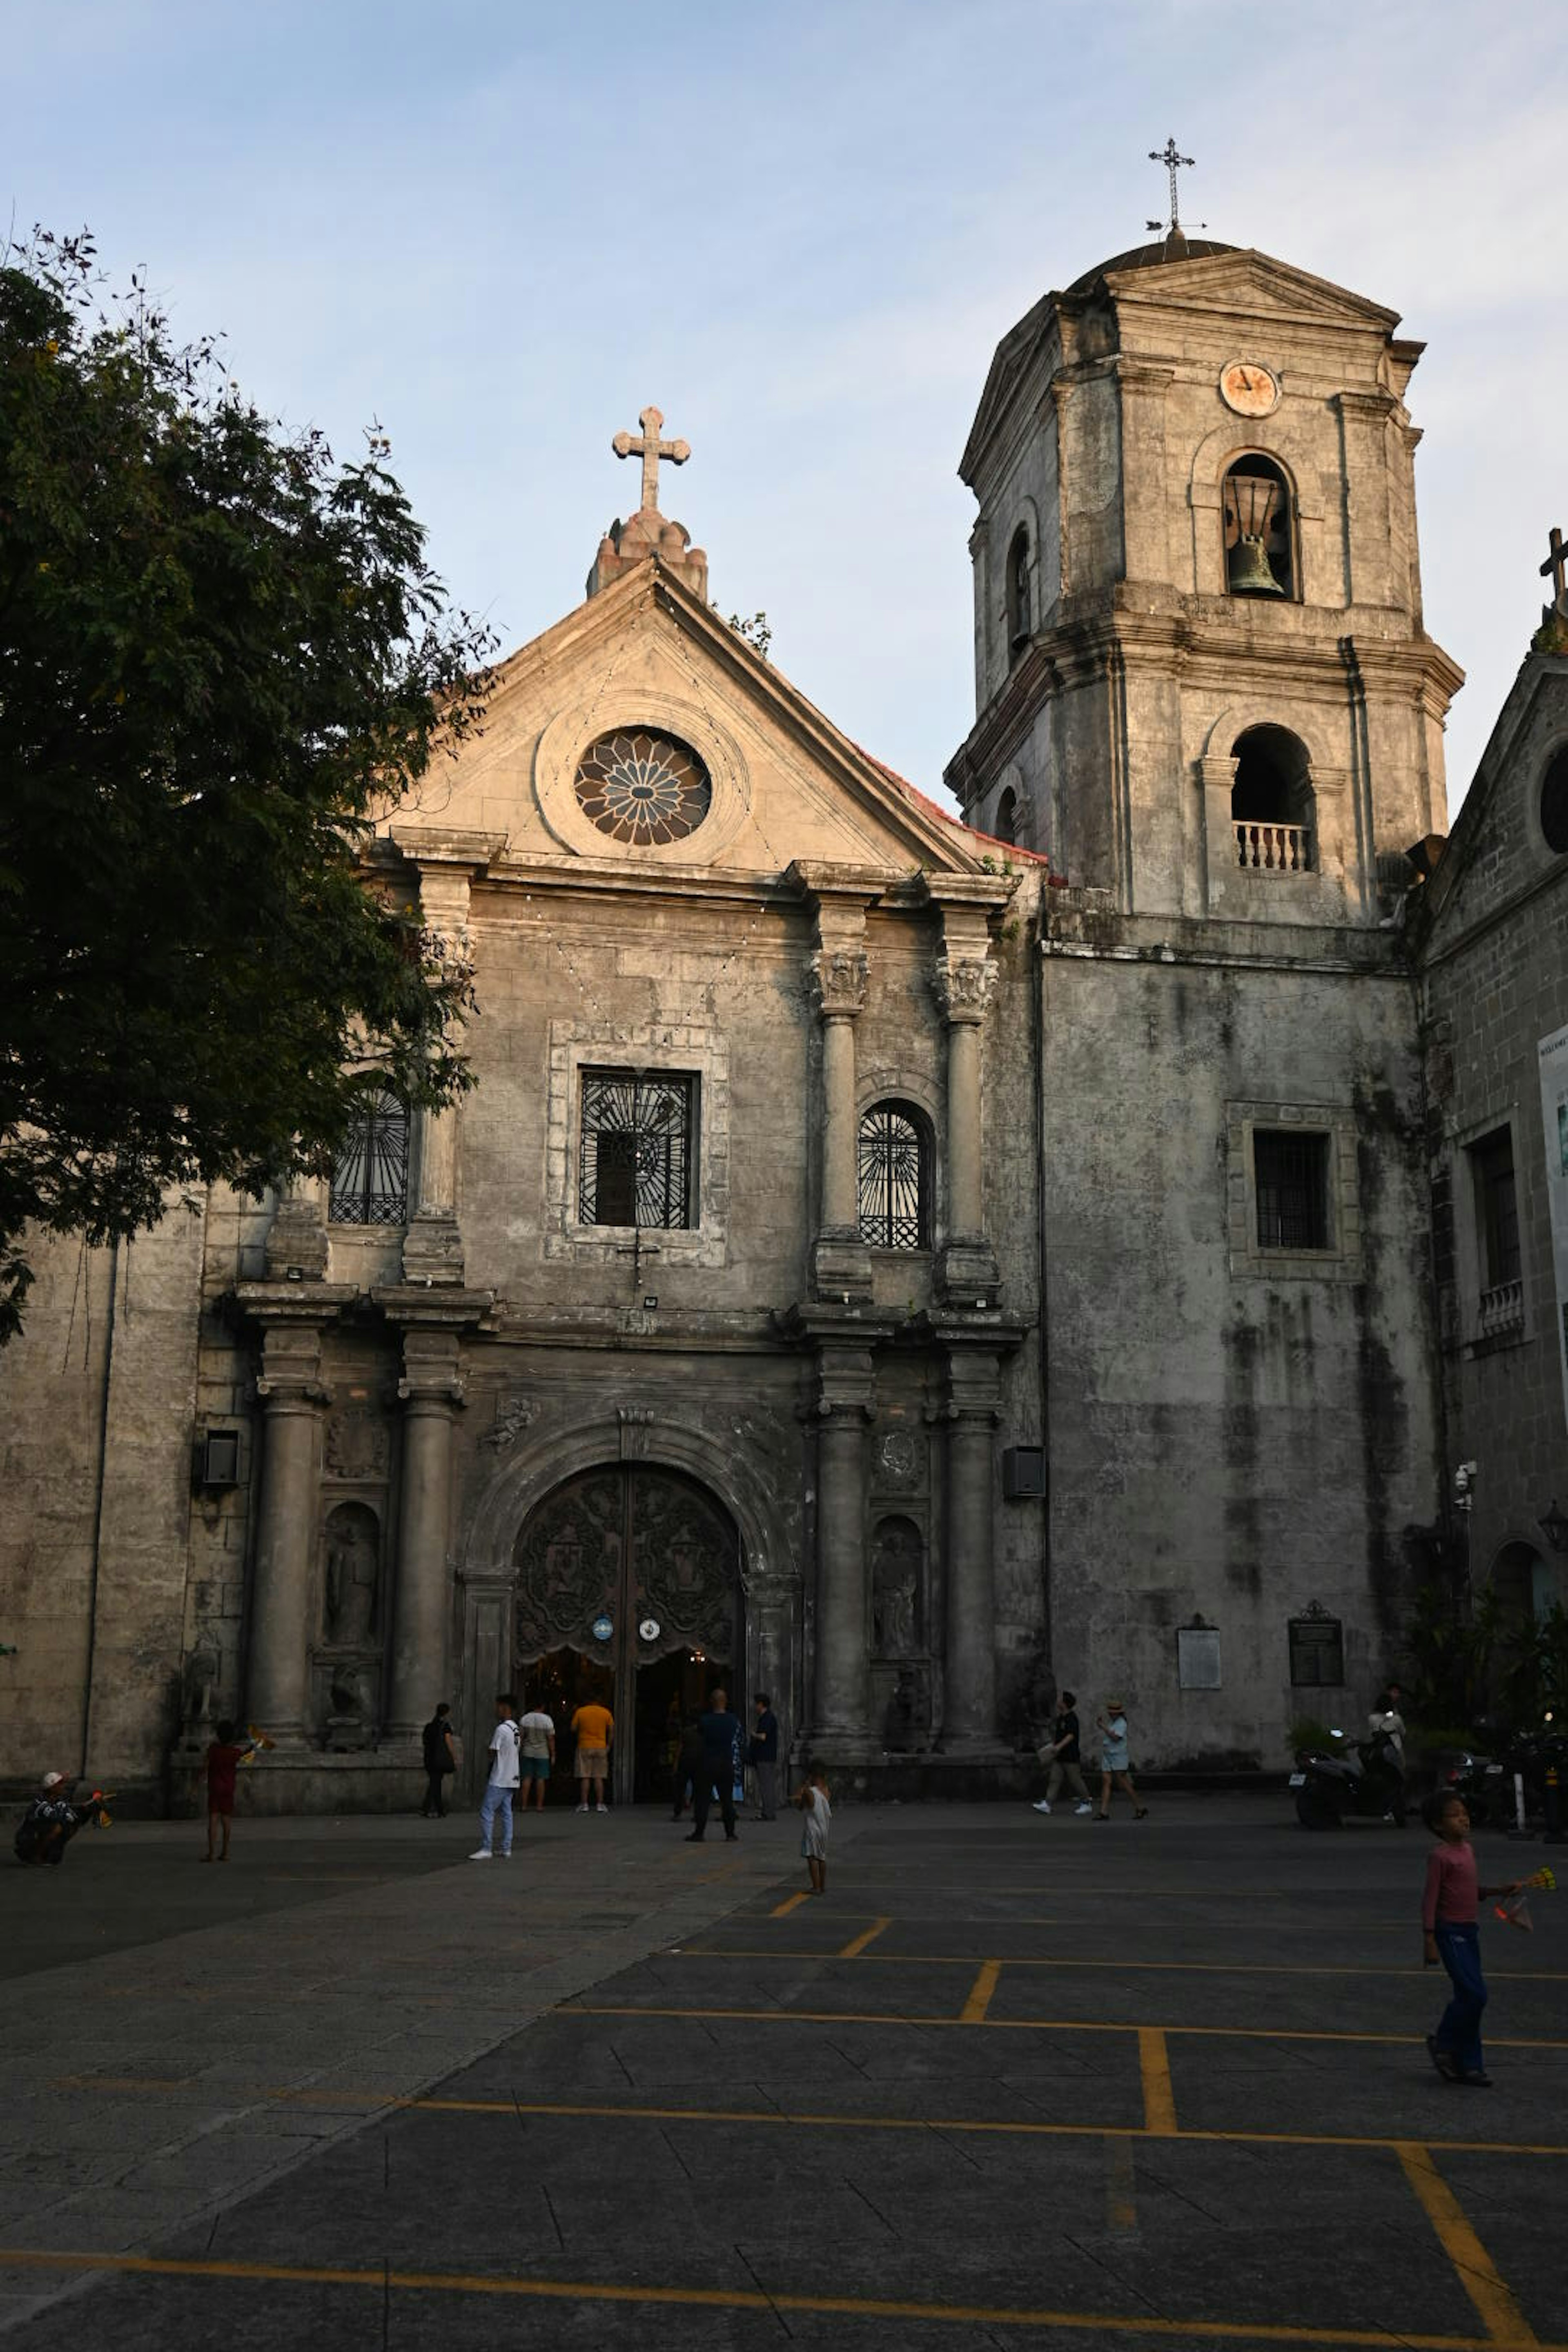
[964, 985]
[839, 975]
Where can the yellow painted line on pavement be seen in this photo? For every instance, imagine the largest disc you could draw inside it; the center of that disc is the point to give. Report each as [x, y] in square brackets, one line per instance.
[379, 2279]
[610, 2111]
[980, 1992]
[857, 1944]
[1159, 2098]
[1053, 1960]
[791, 1903]
[1024, 2025]
[1478, 2274]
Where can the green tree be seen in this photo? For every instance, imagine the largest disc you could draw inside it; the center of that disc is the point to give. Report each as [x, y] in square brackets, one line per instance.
[221, 653]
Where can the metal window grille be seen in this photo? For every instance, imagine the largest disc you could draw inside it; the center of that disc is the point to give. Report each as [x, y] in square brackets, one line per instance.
[635, 1166]
[1496, 1208]
[894, 1179]
[370, 1175]
[1292, 1179]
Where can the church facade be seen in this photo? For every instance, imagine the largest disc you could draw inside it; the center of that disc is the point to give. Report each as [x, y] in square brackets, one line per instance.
[898, 1264]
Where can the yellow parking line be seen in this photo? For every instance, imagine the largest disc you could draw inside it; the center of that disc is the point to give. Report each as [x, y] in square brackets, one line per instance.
[1159, 2098]
[1478, 2274]
[980, 1992]
[791, 1903]
[610, 2111]
[379, 2280]
[925, 2019]
[857, 1944]
[1053, 1960]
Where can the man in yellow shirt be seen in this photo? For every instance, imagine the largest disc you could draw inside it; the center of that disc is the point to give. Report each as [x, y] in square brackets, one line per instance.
[593, 1729]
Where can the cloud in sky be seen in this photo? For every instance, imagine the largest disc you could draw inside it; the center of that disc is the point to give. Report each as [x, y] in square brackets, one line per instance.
[504, 228]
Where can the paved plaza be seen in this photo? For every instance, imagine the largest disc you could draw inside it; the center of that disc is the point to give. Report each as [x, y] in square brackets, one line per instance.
[1012, 2081]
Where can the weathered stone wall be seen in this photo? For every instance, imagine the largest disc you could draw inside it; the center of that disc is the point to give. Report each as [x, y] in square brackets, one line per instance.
[1495, 983]
[1231, 1438]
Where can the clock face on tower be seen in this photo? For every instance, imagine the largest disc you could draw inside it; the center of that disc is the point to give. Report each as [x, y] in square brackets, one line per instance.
[1249, 389]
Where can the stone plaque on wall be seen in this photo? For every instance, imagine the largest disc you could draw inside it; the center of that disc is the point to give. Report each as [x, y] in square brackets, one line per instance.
[1197, 1657]
[1317, 1651]
[897, 1460]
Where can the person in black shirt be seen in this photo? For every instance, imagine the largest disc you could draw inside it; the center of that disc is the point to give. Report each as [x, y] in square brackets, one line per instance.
[764, 1756]
[721, 1737]
[1061, 1753]
[439, 1762]
[687, 1766]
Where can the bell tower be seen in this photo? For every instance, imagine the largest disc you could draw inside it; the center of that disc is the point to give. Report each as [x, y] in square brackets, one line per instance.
[1201, 678]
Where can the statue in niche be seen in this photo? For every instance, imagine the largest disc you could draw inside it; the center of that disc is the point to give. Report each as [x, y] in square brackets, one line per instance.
[352, 1574]
[895, 1588]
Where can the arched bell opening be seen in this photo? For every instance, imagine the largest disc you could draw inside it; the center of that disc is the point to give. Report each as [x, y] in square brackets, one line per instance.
[1005, 827]
[628, 1593]
[1258, 504]
[1272, 803]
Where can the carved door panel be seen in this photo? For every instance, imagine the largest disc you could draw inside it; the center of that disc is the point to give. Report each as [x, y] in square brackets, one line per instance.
[638, 1545]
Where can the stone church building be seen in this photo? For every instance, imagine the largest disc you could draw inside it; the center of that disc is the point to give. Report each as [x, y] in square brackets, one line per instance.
[899, 1263]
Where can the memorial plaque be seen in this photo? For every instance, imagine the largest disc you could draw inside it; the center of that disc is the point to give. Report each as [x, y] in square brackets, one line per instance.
[1317, 1653]
[1197, 1657]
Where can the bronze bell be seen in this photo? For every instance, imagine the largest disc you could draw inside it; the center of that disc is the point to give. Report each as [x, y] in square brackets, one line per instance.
[1250, 499]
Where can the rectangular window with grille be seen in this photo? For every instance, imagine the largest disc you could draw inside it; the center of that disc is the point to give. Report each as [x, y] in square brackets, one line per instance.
[638, 1148]
[370, 1174]
[1496, 1208]
[1290, 1172]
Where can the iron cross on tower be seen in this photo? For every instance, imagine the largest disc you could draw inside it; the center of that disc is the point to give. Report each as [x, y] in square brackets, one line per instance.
[647, 445]
[1173, 163]
[1556, 564]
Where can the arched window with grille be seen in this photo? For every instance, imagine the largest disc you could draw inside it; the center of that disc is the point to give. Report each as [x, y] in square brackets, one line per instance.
[370, 1174]
[894, 1167]
[1020, 594]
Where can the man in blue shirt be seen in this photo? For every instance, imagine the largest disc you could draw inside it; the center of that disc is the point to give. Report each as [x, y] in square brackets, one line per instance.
[765, 1757]
[721, 1736]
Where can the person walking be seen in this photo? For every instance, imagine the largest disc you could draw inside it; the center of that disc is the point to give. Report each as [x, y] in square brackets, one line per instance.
[593, 1729]
[1063, 1753]
[1113, 1760]
[721, 1737]
[814, 1802]
[1449, 1933]
[439, 1762]
[502, 1781]
[763, 1754]
[687, 1766]
[225, 1757]
[536, 1735]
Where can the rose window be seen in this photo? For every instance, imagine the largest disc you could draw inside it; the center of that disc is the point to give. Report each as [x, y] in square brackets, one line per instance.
[642, 788]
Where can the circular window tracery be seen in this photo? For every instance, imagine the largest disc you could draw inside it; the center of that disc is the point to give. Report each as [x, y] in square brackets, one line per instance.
[641, 786]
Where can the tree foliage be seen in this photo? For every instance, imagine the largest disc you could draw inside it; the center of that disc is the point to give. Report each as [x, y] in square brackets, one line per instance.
[221, 653]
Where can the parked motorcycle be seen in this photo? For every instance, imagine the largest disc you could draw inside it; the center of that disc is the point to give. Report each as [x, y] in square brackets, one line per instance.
[1362, 1778]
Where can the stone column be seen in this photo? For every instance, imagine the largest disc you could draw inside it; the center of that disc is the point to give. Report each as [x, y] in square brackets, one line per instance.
[432, 1393]
[972, 1410]
[966, 1274]
[296, 1238]
[1218, 861]
[841, 1263]
[844, 1407]
[433, 1244]
[294, 1397]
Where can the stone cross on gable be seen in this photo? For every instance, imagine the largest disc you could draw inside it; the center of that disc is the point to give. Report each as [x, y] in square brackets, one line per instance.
[647, 445]
[1556, 564]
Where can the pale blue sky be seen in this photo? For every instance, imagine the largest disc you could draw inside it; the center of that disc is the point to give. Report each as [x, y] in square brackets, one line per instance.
[504, 229]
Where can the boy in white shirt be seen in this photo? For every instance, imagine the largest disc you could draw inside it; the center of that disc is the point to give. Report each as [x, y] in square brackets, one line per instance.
[537, 1732]
[502, 1781]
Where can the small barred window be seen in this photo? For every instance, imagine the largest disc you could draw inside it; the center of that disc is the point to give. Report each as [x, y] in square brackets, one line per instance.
[638, 1149]
[894, 1170]
[370, 1175]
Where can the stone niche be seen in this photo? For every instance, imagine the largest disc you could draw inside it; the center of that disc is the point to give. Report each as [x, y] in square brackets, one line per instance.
[901, 1657]
[346, 1661]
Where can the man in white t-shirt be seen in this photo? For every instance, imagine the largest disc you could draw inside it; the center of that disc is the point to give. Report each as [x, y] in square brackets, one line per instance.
[537, 1734]
[501, 1783]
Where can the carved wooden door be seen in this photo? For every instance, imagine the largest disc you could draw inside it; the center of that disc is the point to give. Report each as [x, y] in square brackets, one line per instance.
[649, 1552]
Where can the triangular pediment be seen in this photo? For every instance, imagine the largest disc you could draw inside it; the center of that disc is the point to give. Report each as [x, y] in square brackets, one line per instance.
[1496, 850]
[784, 786]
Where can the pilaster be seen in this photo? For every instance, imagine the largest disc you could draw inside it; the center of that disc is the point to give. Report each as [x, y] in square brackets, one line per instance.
[839, 970]
[964, 979]
[294, 1397]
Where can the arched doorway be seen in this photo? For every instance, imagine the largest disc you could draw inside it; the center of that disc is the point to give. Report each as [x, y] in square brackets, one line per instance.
[655, 1558]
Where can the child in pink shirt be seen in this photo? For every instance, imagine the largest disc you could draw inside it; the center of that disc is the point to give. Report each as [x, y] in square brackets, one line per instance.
[1448, 1907]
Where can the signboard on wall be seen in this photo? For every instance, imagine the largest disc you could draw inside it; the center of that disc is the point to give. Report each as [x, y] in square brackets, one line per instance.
[1554, 1057]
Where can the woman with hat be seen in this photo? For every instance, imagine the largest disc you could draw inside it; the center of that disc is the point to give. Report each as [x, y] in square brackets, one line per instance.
[1113, 1760]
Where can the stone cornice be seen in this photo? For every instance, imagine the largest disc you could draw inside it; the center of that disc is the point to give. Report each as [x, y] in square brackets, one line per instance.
[271, 1304]
[432, 1306]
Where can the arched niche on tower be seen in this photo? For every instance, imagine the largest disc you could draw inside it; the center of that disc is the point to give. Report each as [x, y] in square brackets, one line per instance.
[1300, 462]
[1273, 812]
